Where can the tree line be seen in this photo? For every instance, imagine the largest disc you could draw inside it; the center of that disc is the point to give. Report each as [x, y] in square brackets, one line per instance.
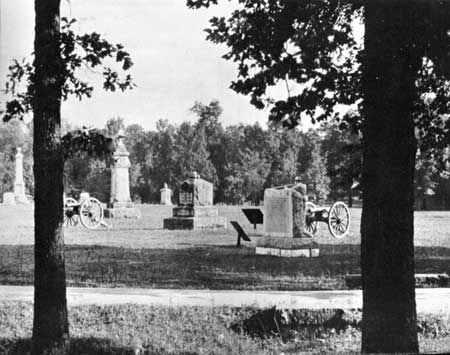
[240, 160]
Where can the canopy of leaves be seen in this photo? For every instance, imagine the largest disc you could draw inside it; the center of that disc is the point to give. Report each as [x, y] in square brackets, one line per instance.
[310, 47]
[78, 52]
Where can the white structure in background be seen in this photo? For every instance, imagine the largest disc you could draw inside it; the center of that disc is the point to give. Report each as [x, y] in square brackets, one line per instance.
[19, 185]
[120, 204]
[166, 195]
[18, 196]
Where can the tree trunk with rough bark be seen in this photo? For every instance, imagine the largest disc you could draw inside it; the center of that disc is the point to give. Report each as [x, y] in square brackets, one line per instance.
[50, 324]
[390, 65]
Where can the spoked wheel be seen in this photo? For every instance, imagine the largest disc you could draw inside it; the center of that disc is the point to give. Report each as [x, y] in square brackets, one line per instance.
[339, 220]
[91, 213]
[310, 221]
[71, 217]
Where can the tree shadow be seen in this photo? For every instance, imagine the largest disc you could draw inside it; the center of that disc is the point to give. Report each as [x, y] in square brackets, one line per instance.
[85, 346]
[206, 266]
[82, 346]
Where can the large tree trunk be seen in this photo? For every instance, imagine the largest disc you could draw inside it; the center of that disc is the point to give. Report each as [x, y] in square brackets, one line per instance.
[50, 325]
[387, 233]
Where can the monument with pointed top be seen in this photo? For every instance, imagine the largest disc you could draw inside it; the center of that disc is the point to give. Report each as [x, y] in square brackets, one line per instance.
[19, 185]
[120, 204]
[18, 196]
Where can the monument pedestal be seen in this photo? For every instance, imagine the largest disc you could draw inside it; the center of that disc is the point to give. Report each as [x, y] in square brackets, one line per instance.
[287, 247]
[9, 198]
[195, 217]
[122, 210]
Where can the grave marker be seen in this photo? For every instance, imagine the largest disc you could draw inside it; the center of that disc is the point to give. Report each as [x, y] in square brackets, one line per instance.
[284, 223]
[195, 209]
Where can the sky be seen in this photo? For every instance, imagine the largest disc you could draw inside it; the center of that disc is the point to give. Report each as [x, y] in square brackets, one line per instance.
[174, 65]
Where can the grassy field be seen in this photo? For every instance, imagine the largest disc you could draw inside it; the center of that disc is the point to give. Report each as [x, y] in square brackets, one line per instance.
[132, 329]
[139, 253]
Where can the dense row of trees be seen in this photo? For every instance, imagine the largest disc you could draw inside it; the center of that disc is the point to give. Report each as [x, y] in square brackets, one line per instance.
[241, 160]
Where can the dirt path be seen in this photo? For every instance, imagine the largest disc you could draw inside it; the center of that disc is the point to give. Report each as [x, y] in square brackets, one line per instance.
[431, 300]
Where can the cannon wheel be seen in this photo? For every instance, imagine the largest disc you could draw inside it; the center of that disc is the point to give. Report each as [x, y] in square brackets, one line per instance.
[91, 213]
[71, 217]
[310, 222]
[339, 220]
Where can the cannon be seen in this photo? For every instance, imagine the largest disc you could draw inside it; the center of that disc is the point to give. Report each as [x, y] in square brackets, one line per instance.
[337, 218]
[88, 211]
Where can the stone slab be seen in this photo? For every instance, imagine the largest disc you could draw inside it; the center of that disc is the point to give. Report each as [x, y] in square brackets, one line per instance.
[288, 253]
[422, 280]
[284, 213]
[287, 243]
[122, 213]
[119, 205]
[195, 222]
[195, 211]
[9, 198]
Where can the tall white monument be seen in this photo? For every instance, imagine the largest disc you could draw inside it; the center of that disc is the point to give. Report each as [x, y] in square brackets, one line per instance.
[19, 185]
[166, 195]
[120, 204]
[18, 196]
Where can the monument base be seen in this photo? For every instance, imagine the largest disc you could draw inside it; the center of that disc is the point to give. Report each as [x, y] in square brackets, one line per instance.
[122, 210]
[195, 211]
[9, 198]
[287, 247]
[205, 222]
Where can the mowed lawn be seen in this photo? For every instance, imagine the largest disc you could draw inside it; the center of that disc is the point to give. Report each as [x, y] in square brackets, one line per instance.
[139, 253]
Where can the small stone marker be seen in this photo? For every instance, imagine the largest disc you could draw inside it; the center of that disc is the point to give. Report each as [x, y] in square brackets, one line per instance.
[195, 209]
[166, 196]
[120, 204]
[284, 224]
[9, 198]
[84, 196]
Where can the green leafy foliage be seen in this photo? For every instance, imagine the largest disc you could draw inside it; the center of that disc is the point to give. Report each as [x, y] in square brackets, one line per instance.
[78, 52]
[306, 45]
[310, 47]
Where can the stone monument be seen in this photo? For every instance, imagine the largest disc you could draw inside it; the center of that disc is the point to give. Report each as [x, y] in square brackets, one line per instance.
[120, 204]
[166, 196]
[195, 209]
[284, 223]
[18, 196]
[9, 198]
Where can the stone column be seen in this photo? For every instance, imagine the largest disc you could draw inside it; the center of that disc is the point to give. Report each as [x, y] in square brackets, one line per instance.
[166, 195]
[120, 181]
[19, 185]
[120, 205]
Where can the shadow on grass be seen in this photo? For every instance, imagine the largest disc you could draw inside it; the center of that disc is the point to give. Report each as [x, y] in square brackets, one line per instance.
[85, 346]
[82, 346]
[205, 267]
